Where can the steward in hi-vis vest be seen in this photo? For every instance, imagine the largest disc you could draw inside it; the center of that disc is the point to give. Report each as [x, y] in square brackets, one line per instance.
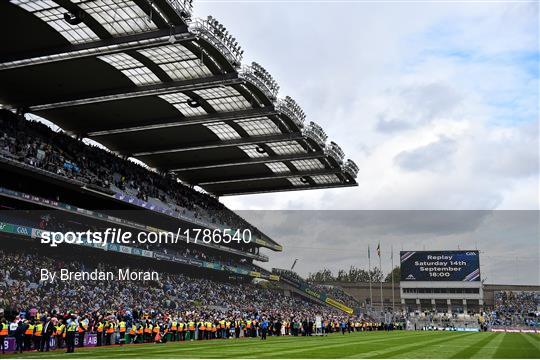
[155, 331]
[148, 331]
[28, 335]
[181, 331]
[81, 330]
[60, 334]
[38, 332]
[109, 332]
[191, 329]
[71, 331]
[122, 332]
[132, 333]
[174, 330]
[100, 327]
[3, 333]
[140, 334]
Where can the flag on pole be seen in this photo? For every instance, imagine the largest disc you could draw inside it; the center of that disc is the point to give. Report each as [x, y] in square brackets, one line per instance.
[368, 253]
[379, 250]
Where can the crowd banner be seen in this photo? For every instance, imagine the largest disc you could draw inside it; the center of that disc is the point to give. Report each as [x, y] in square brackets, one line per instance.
[9, 344]
[90, 339]
[305, 287]
[338, 305]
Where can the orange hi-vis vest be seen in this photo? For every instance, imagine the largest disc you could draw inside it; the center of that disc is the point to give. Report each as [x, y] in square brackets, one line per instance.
[202, 326]
[39, 329]
[3, 329]
[122, 326]
[81, 328]
[30, 330]
[174, 326]
[100, 327]
[156, 329]
[180, 326]
[140, 330]
[191, 326]
[110, 328]
[132, 330]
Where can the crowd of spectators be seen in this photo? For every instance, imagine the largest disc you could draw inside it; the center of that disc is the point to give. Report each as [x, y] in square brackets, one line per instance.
[24, 294]
[37, 145]
[515, 308]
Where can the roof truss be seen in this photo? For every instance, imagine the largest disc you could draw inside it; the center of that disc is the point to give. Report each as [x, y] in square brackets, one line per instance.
[145, 90]
[252, 161]
[222, 144]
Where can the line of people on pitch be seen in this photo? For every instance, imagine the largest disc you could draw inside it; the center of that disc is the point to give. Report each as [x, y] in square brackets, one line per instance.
[147, 331]
[34, 334]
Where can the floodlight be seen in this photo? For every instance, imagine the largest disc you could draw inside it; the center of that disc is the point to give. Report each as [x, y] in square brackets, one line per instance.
[72, 18]
[193, 103]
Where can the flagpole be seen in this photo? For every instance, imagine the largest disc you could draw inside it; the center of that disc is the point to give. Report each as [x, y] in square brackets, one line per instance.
[380, 268]
[369, 273]
[392, 275]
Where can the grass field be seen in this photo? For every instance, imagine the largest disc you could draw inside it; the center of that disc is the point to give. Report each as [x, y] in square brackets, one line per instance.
[398, 344]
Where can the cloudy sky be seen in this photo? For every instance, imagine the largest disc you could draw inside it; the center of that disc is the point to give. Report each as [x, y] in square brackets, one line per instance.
[437, 102]
[507, 239]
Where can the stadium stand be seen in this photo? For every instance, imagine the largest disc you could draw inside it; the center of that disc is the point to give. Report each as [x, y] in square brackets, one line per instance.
[36, 145]
[516, 308]
[172, 93]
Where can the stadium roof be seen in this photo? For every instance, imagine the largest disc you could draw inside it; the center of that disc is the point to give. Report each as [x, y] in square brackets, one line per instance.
[146, 81]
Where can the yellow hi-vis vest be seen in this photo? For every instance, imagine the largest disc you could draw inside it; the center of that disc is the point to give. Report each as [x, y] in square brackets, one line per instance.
[30, 330]
[39, 329]
[72, 327]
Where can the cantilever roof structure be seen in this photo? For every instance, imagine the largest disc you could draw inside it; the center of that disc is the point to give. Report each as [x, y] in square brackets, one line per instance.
[145, 80]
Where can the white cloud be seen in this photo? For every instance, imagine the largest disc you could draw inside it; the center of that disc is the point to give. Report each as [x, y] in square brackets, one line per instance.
[386, 79]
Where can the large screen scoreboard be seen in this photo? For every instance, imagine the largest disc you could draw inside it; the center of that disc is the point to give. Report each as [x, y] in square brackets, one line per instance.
[440, 265]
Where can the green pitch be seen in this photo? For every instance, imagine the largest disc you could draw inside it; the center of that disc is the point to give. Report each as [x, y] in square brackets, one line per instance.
[398, 344]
